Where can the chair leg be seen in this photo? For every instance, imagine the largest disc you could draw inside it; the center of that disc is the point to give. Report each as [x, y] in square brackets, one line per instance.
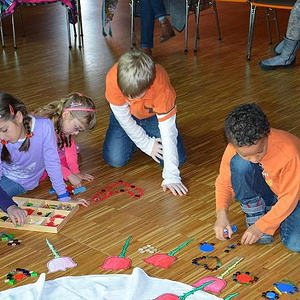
[2, 35]
[68, 28]
[132, 35]
[276, 24]
[186, 28]
[13, 31]
[214, 5]
[197, 17]
[79, 18]
[251, 28]
[267, 11]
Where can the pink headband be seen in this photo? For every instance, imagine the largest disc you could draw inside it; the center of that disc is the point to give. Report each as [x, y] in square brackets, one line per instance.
[79, 109]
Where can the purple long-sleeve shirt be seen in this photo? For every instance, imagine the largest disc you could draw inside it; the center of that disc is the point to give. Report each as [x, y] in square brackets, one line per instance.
[27, 167]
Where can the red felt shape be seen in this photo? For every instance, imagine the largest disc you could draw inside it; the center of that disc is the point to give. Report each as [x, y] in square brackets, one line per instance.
[116, 263]
[167, 297]
[244, 278]
[216, 287]
[160, 260]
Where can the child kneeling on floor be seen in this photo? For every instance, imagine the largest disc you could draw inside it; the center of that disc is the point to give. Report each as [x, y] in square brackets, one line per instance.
[261, 169]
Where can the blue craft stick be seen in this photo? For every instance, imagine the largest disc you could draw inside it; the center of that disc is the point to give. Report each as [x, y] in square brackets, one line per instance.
[233, 227]
[79, 190]
[52, 191]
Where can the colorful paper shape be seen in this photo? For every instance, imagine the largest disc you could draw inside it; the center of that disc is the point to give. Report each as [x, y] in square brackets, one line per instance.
[219, 283]
[59, 263]
[164, 260]
[118, 262]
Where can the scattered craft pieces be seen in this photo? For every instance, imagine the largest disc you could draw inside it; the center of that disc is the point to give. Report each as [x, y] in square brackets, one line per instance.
[232, 246]
[6, 237]
[206, 247]
[71, 190]
[118, 262]
[185, 295]
[116, 188]
[286, 286]
[59, 263]
[14, 242]
[148, 249]
[270, 295]
[18, 274]
[245, 278]
[219, 283]
[196, 261]
[165, 260]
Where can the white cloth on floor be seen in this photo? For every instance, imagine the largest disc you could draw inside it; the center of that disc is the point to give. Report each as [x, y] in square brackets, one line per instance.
[137, 286]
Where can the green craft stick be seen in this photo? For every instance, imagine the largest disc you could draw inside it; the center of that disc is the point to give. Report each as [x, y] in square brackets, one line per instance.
[125, 247]
[179, 247]
[231, 296]
[201, 287]
[230, 268]
[52, 249]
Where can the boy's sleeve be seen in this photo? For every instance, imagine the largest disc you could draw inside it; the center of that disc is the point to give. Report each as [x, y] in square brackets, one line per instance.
[5, 200]
[113, 93]
[52, 161]
[164, 95]
[135, 132]
[169, 133]
[224, 191]
[287, 199]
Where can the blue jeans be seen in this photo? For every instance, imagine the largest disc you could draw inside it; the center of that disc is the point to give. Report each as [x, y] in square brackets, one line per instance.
[250, 186]
[150, 10]
[12, 188]
[118, 148]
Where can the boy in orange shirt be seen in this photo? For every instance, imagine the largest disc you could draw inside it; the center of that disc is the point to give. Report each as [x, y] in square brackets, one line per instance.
[143, 115]
[261, 169]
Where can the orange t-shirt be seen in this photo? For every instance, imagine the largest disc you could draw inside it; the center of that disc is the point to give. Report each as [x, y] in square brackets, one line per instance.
[281, 165]
[159, 98]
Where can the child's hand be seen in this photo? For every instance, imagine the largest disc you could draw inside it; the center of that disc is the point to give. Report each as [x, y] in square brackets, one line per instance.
[86, 177]
[251, 235]
[157, 150]
[75, 180]
[80, 201]
[17, 215]
[222, 223]
[176, 188]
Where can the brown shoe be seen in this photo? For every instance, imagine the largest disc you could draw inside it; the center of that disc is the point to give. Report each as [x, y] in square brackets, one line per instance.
[147, 51]
[166, 30]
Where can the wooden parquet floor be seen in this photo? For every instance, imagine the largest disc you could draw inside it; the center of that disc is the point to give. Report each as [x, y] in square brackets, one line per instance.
[208, 86]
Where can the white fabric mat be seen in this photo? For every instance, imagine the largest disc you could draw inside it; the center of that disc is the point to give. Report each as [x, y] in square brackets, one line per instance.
[137, 286]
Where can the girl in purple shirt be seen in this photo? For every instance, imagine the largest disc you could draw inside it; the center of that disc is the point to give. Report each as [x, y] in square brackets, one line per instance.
[28, 148]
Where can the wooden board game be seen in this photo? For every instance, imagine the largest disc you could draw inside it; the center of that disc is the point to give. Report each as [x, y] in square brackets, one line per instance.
[43, 215]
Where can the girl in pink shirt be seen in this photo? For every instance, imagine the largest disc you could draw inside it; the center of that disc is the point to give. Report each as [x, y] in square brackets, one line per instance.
[70, 115]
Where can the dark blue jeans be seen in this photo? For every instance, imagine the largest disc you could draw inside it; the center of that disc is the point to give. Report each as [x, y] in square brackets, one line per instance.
[12, 188]
[250, 186]
[118, 148]
[150, 10]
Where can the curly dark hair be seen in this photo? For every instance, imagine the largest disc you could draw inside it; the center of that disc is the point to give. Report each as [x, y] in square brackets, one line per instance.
[246, 124]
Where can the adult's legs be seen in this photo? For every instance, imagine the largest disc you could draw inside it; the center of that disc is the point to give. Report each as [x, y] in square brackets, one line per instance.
[11, 187]
[147, 24]
[290, 230]
[252, 191]
[287, 49]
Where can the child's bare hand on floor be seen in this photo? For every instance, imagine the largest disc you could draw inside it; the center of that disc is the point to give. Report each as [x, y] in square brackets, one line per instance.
[86, 177]
[157, 150]
[251, 235]
[176, 188]
[222, 223]
[80, 201]
[17, 215]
